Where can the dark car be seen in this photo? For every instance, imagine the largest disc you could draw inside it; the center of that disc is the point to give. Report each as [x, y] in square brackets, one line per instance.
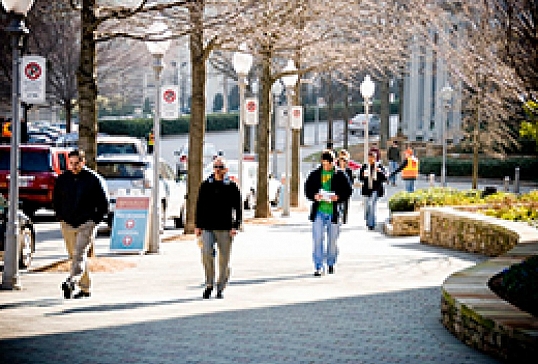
[26, 236]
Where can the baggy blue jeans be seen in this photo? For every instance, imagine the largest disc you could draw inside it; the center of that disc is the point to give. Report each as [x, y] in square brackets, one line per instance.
[409, 185]
[370, 205]
[393, 165]
[324, 253]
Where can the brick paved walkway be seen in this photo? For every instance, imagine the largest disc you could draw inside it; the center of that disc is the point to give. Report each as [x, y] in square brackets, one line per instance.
[381, 306]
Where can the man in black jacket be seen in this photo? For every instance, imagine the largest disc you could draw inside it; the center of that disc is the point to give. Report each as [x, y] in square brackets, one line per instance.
[327, 187]
[80, 203]
[218, 218]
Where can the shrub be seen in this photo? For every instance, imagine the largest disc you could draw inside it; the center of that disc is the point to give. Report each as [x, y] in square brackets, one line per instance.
[518, 285]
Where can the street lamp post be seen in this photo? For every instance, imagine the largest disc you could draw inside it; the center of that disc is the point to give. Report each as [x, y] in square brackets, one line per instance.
[446, 97]
[367, 89]
[17, 10]
[290, 82]
[252, 143]
[242, 62]
[157, 48]
[277, 91]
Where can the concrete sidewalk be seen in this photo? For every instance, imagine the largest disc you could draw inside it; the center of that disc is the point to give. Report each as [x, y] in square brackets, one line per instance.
[381, 306]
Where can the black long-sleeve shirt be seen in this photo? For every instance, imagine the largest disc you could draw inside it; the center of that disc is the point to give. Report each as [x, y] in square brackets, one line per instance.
[79, 198]
[219, 205]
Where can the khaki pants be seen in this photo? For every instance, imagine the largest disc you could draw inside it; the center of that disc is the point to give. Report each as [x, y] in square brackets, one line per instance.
[224, 245]
[77, 242]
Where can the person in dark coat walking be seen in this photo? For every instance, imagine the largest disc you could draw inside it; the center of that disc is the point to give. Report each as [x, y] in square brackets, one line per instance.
[394, 158]
[372, 175]
[327, 187]
[218, 219]
[343, 160]
[80, 203]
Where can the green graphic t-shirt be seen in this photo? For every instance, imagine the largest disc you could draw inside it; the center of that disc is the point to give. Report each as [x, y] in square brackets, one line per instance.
[324, 206]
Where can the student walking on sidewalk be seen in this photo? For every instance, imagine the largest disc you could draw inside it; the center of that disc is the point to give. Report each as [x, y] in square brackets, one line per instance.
[372, 175]
[80, 203]
[327, 187]
[218, 218]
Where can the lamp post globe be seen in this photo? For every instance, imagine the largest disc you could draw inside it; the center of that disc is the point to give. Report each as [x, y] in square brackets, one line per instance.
[242, 62]
[446, 97]
[289, 81]
[158, 43]
[20, 7]
[367, 89]
[17, 10]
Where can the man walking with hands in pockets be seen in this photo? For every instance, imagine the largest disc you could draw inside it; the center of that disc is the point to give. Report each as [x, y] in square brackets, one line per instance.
[327, 187]
[218, 218]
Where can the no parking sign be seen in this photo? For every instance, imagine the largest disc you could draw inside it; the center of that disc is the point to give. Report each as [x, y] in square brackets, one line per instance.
[251, 111]
[33, 77]
[169, 103]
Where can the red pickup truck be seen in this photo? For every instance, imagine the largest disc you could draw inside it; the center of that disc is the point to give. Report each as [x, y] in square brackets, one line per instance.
[40, 166]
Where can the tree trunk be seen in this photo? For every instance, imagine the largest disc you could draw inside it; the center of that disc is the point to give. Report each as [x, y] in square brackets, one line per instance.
[262, 200]
[87, 84]
[197, 123]
[384, 115]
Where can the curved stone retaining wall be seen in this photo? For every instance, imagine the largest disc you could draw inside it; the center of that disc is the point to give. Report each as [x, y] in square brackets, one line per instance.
[469, 309]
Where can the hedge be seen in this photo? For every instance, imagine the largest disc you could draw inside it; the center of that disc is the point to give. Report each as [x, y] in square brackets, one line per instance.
[218, 121]
[487, 168]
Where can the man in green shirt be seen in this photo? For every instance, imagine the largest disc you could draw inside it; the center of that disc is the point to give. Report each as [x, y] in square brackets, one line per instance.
[327, 187]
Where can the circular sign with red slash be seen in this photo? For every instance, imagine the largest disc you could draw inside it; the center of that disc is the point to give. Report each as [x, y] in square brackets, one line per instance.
[127, 240]
[169, 96]
[251, 106]
[129, 224]
[32, 70]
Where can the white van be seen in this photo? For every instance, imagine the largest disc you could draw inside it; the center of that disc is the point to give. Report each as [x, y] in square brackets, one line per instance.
[110, 144]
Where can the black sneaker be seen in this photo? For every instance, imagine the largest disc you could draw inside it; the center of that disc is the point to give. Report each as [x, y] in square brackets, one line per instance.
[317, 273]
[331, 269]
[219, 294]
[207, 293]
[81, 294]
[67, 287]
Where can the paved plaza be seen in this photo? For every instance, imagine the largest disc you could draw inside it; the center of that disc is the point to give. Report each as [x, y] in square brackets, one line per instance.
[381, 306]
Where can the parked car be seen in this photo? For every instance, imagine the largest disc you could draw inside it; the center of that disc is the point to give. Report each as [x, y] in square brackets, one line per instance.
[108, 144]
[182, 157]
[357, 123]
[126, 173]
[250, 181]
[40, 166]
[26, 236]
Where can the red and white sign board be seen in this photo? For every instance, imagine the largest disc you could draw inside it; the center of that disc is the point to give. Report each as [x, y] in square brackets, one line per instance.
[169, 102]
[33, 79]
[296, 117]
[251, 111]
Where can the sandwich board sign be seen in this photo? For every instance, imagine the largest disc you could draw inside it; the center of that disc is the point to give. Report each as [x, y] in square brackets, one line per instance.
[130, 228]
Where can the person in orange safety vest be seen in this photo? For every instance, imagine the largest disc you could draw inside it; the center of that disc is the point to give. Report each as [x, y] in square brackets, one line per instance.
[409, 169]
